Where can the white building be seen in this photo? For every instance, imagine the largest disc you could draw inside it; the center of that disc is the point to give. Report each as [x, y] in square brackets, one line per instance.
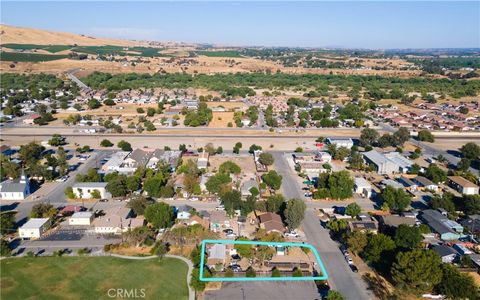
[34, 228]
[381, 163]
[324, 157]
[81, 218]
[363, 187]
[202, 161]
[347, 143]
[83, 190]
[17, 189]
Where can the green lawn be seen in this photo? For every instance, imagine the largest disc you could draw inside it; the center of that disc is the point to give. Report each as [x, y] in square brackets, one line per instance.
[91, 277]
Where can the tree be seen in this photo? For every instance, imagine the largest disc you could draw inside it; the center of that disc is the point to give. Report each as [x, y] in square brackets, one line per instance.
[159, 249]
[444, 201]
[353, 210]
[334, 295]
[337, 225]
[151, 111]
[396, 199]
[117, 187]
[133, 183]
[138, 205]
[43, 210]
[216, 182]
[94, 103]
[5, 248]
[95, 194]
[109, 102]
[356, 161]
[297, 273]
[407, 237]
[57, 140]
[231, 200]
[195, 282]
[237, 147]
[294, 213]
[456, 285]
[124, 145]
[368, 137]
[266, 159]
[251, 272]
[244, 250]
[7, 222]
[229, 167]
[335, 185]
[464, 164]
[472, 204]
[357, 241]
[276, 273]
[401, 136]
[426, 136]
[253, 148]
[435, 173]
[275, 203]
[106, 143]
[272, 179]
[470, 150]
[418, 270]
[377, 245]
[160, 215]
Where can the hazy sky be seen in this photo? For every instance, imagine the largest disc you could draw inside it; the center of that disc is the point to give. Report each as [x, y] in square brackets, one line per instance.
[386, 24]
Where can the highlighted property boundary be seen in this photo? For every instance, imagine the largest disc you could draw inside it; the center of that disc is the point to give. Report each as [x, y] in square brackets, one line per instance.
[314, 251]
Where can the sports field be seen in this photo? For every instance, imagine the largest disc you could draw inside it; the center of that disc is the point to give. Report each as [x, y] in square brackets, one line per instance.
[91, 278]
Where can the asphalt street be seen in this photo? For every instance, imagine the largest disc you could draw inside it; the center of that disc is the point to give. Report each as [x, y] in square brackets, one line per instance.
[341, 278]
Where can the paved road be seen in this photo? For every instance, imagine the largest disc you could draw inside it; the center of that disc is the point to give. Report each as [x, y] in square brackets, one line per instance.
[70, 74]
[341, 278]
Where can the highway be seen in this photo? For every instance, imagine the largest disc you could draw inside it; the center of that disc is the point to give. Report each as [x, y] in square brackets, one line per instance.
[341, 278]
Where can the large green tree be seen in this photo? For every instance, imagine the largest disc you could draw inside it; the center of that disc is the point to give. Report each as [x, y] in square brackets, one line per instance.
[272, 179]
[294, 213]
[377, 245]
[396, 199]
[407, 236]
[417, 270]
[456, 285]
[160, 215]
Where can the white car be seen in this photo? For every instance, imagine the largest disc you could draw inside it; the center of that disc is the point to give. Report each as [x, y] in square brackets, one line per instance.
[220, 207]
[62, 179]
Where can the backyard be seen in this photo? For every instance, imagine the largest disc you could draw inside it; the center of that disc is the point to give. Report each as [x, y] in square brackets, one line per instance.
[91, 277]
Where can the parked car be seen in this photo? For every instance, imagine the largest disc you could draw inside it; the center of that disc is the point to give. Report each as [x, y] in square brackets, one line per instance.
[235, 268]
[220, 207]
[354, 268]
[236, 258]
[62, 179]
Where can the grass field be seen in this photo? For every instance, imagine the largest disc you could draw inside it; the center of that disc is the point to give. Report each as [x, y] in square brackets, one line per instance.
[228, 53]
[28, 57]
[91, 277]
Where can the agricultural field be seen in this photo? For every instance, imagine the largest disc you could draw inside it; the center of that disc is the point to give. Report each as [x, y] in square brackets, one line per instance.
[49, 48]
[226, 53]
[29, 57]
[91, 277]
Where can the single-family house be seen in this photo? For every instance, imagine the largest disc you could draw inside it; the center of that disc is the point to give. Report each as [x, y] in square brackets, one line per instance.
[271, 222]
[202, 160]
[81, 218]
[446, 253]
[446, 229]
[365, 224]
[216, 255]
[184, 212]
[462, 185]
[195, 219]
[340, 142]
[393, 221]
[84, 190]
[34, 228]
[424, 183]
[248, 185]
[219, 220]
[362, 187]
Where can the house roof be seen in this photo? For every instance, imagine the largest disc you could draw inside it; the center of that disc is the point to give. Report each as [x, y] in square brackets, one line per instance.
[462, 181]
[444, 250]
[362, 182]
[140, 156]
[86, 185]
[272, 222]
[423, 181]
[35, 223]
[438, 222]
[217, 251]
[218, 216]
[82, 215]
[14, 186]
[395, 221]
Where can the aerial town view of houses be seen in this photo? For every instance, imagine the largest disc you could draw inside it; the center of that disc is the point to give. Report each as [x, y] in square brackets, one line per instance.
[121, 153]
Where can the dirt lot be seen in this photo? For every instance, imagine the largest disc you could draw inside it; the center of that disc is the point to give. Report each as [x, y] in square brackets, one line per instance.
[244, 162]
[221, 119]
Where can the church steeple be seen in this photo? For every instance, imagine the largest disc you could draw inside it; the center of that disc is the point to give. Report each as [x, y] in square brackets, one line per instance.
[23, 177]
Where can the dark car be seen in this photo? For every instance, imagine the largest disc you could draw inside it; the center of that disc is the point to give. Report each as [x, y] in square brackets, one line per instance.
[236, 257]
[235, 268]
[354, 268]
[228, 231]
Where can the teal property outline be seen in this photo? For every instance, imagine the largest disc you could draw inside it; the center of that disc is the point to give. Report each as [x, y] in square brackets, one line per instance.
[314, 251]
